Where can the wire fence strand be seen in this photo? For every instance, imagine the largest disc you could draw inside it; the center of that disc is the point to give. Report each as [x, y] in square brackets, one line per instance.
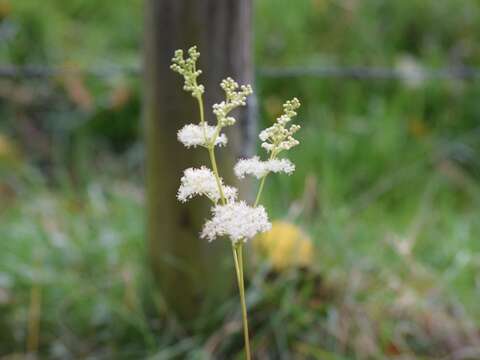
[364, 72]
[353, 72]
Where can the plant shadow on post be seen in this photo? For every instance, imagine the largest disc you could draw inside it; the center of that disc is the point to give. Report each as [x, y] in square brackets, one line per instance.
[190, 272]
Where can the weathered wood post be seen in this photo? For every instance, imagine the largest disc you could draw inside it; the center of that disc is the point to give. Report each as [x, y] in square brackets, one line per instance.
[188, 270]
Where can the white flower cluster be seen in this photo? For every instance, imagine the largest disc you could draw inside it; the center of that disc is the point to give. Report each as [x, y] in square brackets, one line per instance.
[255, 167]
[200, 135]
[234, 97]
[278, 137]
[236, 220]
[202, 182]
[187, 68]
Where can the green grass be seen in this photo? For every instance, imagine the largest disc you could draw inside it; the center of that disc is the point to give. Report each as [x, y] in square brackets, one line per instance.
[84, 252]
[83, 249]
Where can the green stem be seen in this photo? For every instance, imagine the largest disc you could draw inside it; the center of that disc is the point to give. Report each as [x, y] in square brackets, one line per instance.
[237, 249]
[262, 181]
[238, 259]
[260, 189]
[210, 148]
[211, 153]
[202, 115]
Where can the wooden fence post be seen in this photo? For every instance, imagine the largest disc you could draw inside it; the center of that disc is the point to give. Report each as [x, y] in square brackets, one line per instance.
[188, 270]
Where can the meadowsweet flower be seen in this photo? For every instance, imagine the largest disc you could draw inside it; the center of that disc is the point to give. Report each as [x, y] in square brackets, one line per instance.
[202, 182]
[281, 165]
[278, 137]
[233, 219]
[254, 166]
[235, 96]
[194, 135]
[229, 192]
[187, 68]
[236, 220]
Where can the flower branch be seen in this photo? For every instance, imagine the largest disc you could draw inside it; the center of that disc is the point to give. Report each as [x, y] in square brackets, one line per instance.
[231, 218]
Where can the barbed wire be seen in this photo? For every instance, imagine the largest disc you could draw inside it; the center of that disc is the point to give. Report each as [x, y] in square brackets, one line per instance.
[353, 72]
[42, 71]
[364, 72]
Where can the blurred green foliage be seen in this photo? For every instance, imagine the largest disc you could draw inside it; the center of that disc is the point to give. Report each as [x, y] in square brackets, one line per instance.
[387, 184]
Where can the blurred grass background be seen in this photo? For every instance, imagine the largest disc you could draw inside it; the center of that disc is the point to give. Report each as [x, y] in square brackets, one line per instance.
[386, 187]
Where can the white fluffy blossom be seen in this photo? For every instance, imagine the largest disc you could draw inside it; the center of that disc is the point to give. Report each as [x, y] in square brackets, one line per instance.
[237, 220]
[229, 192]
[202, 182]
[254, 166]
[193, 135]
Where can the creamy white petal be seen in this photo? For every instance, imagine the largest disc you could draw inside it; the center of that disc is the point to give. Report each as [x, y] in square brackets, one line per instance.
[280, 165]
[255, 167]
[230, 193]
[202, 182]
[237, 221]
[194, 135]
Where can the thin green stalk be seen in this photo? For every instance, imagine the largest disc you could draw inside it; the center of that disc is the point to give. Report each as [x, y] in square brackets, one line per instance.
[210, 148]
[238, 259]
[262, 182]
[211, 153]
[202, 115]
[237, 249]
[260, 189]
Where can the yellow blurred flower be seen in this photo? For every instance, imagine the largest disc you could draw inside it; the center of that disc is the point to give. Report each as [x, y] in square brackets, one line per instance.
[319, 6]
[7, 148]
[5, 9]
[417, 127]
[285, 246]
